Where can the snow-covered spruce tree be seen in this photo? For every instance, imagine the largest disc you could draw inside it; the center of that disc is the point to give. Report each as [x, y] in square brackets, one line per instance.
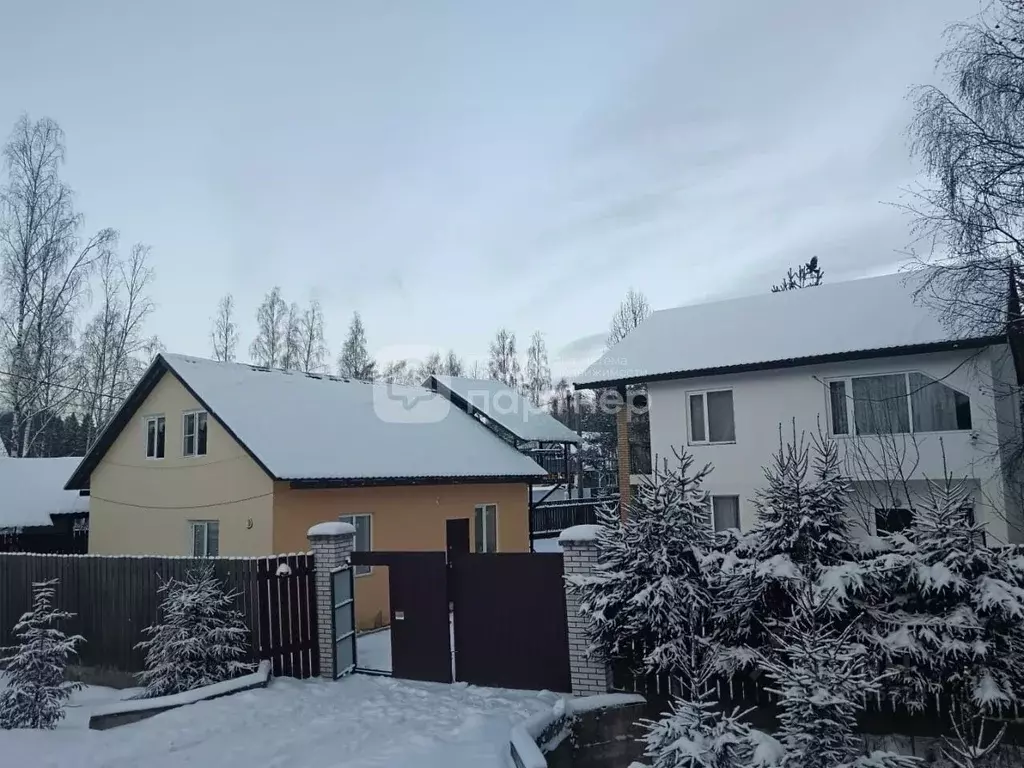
[802, 529]
[952, 616]
[36, 691]
[201, 639]
[696, 733]
[822, 678]
[648, 597]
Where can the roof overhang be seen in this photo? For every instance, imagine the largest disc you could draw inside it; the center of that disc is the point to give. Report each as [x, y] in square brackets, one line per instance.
[771, 365]
[381, 482]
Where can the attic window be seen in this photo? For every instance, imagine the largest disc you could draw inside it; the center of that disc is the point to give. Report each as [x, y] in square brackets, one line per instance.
[156, 433]
[193, 434]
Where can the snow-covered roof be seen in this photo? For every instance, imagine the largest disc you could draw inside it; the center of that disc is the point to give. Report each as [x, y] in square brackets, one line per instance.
[505, 407]
[868, 316]
[315, 427]
[33, 489]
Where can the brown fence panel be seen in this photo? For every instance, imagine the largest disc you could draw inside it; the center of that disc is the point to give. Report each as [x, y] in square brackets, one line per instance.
[510, 628]
[114, 599]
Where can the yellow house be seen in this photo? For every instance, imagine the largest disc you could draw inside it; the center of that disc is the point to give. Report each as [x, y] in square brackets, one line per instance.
[207, 458]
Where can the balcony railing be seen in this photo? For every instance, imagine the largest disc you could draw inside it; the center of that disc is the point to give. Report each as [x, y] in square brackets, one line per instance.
[552, 517]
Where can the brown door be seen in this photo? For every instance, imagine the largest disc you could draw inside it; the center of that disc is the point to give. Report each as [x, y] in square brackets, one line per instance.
[456, 534]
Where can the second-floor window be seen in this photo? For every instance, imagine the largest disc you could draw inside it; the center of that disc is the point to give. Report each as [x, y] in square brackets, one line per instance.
[711, 417]
[156, 433]
[896, 403]
[193, 434]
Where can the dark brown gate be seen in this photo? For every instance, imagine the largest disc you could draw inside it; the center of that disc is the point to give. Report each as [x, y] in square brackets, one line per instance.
[420, 629]
[510, 623]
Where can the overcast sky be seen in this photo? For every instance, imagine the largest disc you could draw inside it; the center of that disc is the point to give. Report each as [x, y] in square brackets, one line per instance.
[446, 168]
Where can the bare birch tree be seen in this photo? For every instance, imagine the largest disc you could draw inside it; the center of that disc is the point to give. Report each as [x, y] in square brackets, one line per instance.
[503, 364]
[114, 351]
[268, 348]
[224, 335]
[453, 365]
[312, 346]
[45, 267]
[633, 310]
[538, 372]
[291, 360]
[355, 361]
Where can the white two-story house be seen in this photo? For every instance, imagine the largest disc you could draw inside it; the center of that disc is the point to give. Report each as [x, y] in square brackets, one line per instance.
[859, 361]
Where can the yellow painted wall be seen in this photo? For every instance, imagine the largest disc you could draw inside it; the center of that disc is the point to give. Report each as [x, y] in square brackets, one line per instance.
[404, 518]
[143, 506]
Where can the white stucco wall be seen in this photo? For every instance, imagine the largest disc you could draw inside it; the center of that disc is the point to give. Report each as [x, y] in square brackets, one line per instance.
[765, 400]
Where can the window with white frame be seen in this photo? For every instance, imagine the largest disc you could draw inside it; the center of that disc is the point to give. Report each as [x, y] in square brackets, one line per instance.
[205, 536]
[485, 526]
[896, 403]
[193, 433]
[156, 433]
[364, 539]
[726, 512]
[711, 417]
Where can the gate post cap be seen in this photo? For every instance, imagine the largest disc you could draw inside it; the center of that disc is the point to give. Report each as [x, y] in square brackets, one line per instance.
[579, 533]
[331, 528]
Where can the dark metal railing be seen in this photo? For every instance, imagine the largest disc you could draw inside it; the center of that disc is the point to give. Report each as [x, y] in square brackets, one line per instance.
[553, 517]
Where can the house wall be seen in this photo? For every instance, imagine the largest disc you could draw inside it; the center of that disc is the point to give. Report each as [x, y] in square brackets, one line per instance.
[143, 506]
[766, 401]
[404, 518]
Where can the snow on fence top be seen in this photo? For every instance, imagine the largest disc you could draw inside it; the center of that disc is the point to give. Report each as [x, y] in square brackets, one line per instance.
[331, 528]
[341, 429]
[33, 489]
[579, 533]
[871, 314]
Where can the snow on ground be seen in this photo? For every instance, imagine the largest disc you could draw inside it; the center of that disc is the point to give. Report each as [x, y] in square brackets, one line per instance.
[373, 649]
[357, 722]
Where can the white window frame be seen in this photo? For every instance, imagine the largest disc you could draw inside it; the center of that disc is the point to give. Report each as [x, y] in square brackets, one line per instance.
[192, 525]
[154, 419]
[851, 424]
[497, 528]
[707, 422]
[739, 510]
[360, 570]
[195, 435]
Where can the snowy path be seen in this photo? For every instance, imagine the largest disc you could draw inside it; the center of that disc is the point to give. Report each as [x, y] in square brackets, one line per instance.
[357, 722]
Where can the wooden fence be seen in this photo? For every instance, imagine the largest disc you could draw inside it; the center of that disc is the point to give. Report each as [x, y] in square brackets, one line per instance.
[550, 518]
[115, 598]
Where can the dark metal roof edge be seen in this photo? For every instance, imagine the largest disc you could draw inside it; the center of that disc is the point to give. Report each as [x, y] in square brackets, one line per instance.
[468, 407]
[796, 362]
[375, 482]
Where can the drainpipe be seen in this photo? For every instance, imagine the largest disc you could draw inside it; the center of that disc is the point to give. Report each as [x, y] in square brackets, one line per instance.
[622, 450]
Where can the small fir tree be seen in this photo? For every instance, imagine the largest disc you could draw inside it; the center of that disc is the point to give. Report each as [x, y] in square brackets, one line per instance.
[696, 733]
[201, 640]
[36, 691]
[802, 530]
[822, 679]
[952, 616]
[647, 598]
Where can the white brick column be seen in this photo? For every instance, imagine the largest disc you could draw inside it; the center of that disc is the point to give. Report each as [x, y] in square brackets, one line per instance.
[331, 545]
[589, 673]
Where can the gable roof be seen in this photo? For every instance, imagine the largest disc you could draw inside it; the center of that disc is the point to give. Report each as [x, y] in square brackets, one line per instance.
[872, 317]
[33, 489]
[504, 406]
[310, 427]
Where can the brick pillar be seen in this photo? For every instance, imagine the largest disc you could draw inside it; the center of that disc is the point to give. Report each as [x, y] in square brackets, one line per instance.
[622, 450]
[589, 673]
[331, 545]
